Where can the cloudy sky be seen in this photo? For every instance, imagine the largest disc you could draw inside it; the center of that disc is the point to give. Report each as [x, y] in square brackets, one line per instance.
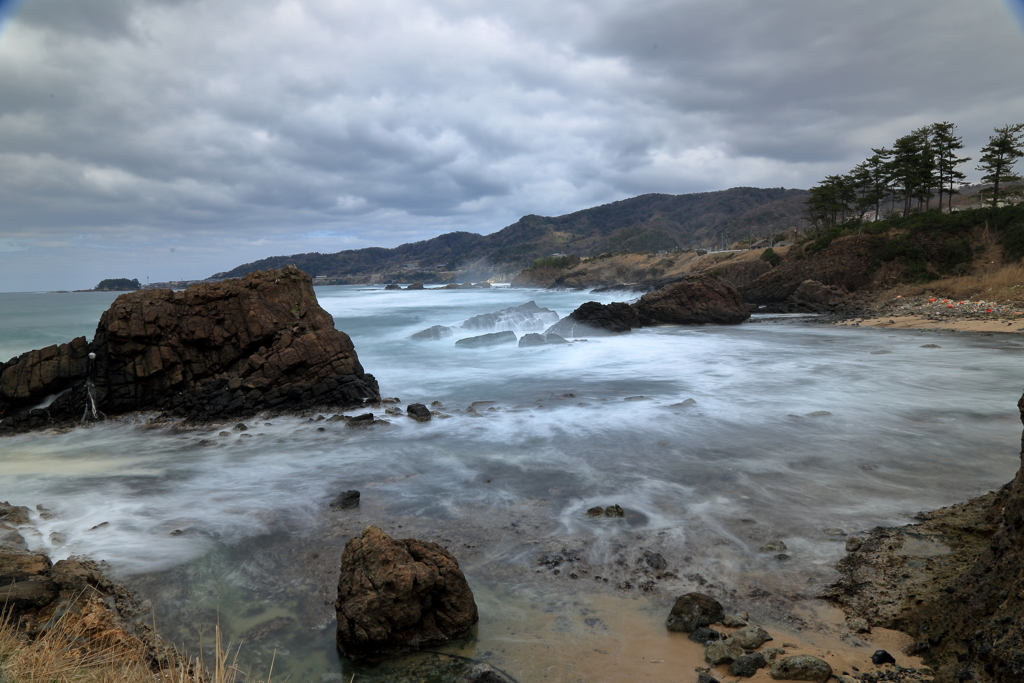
[175, 138]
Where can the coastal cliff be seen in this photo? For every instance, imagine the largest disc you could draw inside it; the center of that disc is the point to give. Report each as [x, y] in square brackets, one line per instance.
[213, 351]
[954, 582]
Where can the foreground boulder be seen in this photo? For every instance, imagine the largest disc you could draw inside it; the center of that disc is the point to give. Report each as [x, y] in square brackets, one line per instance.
[696, 300]
[396, 596]
[801, 668]
[693, 611]
[226, 349]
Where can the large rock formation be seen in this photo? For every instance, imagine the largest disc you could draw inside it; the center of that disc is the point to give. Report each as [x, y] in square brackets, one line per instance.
[399, 595]
[594, 319]
[228, 349]
[953, 582]
[696, 300]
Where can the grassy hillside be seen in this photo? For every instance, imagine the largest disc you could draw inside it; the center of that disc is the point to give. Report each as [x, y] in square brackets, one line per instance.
[651, 222]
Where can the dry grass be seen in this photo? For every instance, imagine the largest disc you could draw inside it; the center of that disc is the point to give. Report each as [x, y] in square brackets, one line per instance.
[71, 652]
[1000, 284]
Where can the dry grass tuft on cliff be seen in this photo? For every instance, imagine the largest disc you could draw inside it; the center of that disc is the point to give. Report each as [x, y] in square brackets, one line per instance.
[57, 656]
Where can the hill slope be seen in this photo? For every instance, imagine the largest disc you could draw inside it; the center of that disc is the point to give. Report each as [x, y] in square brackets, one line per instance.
[650, 222]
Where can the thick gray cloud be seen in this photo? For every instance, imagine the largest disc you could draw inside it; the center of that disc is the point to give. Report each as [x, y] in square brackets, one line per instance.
[230, 130]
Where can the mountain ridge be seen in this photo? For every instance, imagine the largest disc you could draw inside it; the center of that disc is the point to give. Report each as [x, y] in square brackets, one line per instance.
[648, 222]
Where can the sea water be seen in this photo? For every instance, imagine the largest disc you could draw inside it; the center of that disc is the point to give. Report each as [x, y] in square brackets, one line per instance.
[715, 440]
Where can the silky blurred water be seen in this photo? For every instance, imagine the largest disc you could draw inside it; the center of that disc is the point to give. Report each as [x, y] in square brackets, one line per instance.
[571, 426]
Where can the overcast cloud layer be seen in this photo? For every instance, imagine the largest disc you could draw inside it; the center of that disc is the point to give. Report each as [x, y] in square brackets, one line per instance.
[176, 138]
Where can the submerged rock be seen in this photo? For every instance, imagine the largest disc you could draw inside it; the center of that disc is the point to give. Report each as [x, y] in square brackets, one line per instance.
[528, 317]
[534, 339]
[801, 668]
[346, 500]
[435, 332]
[694, 610]
[492, 339]
[704, 635]
[214, 351]
[395, 596]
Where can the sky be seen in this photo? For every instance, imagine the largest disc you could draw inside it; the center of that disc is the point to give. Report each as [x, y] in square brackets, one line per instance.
[172, 139]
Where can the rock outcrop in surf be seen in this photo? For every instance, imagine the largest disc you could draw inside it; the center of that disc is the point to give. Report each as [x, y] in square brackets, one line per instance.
[395, 596]
[222, 350]
[953, 582]
[695, 300]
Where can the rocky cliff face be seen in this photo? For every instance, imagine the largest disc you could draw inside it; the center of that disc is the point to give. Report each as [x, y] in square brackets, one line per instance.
[962, 598]
[222, 350]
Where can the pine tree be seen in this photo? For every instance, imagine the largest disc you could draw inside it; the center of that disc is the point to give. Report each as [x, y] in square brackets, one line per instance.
[999, 156]
[911, 168]
[945, 144]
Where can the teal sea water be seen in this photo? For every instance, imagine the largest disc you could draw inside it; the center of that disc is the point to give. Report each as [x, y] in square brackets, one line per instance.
[797, 428]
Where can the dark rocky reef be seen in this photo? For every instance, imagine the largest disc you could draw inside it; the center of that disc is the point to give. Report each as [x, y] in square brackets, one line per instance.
[953, 582]
[396, 596]
[695, 300]
[214, 351]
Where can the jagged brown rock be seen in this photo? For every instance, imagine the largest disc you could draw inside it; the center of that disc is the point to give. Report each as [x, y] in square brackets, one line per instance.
[226, 349]
[961, 598]
[696, 300]
[395, 596]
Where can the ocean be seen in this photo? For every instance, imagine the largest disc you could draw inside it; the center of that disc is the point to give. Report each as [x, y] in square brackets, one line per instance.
[715, 440]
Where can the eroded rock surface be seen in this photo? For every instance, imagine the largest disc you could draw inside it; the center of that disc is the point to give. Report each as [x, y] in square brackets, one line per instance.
[75, 594]
[953, 582]
[594, 319]
[696, 300]
[399, 595]
[226, 349]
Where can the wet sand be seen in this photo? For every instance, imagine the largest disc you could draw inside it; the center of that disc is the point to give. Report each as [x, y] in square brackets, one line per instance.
[917, 322]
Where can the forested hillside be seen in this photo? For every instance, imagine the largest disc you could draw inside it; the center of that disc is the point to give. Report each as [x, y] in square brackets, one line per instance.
[650, 222]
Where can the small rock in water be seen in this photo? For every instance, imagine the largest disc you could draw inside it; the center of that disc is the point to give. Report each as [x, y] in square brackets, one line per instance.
[418, 412]
[801, 668]
[224, 434]
[436, 404]
[773, 547]
[491, 339]
[853, 544]
[706, 678]
[614, 511]
[177, 532]
[685, 404]
[880, 353]
[656, 561]
[363, 420]
[835, 532]
[930, 346]
[705, 635]
[722, 652]
[747, 665]
[595, 511]
[750, 637]
[240, 427]
[734, 621]
[392, 410]
[818, 413]
[882, 657]
[636, 398]
[693, 610]
[346, 500]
